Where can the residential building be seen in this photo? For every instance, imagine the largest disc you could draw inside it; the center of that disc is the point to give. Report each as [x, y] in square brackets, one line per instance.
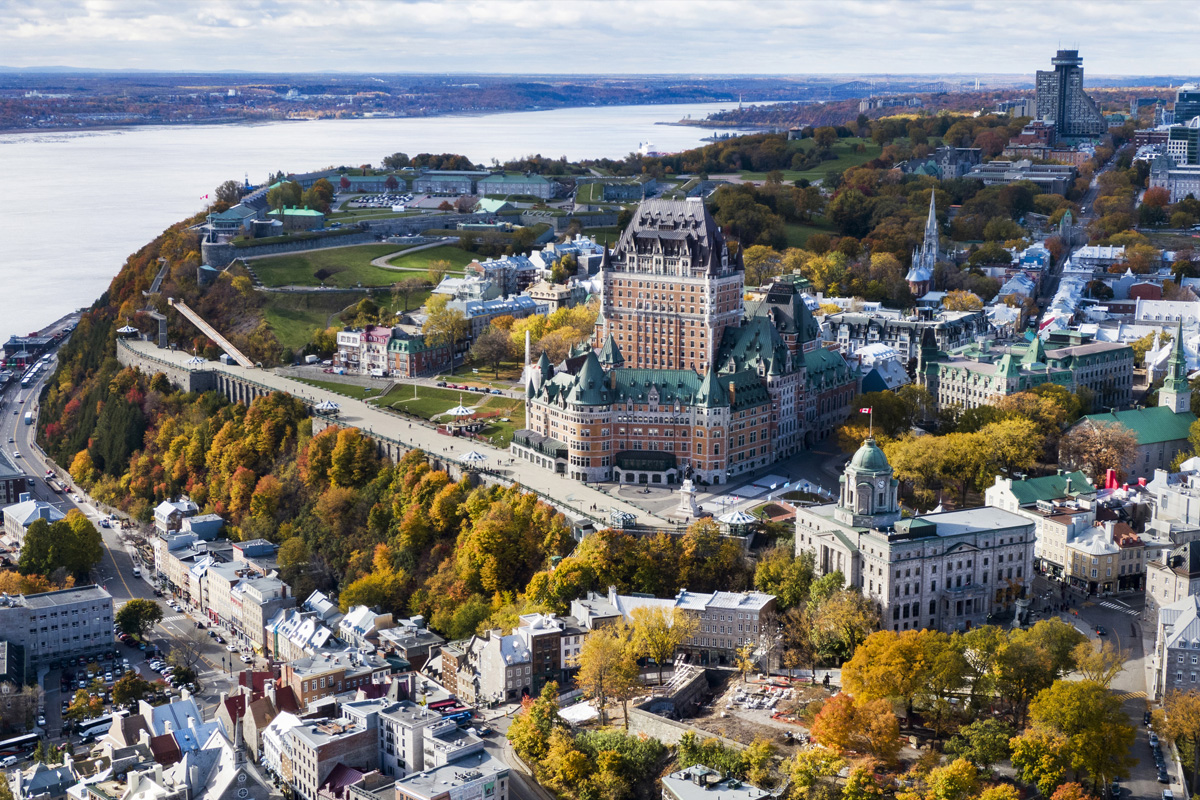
[480, 313]
[1175, 576]
[329, 672]
[688, 381]
[556, 295]
[508, 275]
[854, 330]
[59, 625]
[13, 482]
[349, 350]
[944, 571]
[725, 620]
[411, 356]
[1176, 659]
[169, 514]
[1060, 505]
[587, 252]
[1104, 559]
[1050, 178]
[412, 640]
[1062, 100]
[19, 516]
[980, 374]
[317, 746]
[477, 775]
[361, 627]
[881, 367]
[698, 782]
[374, 359]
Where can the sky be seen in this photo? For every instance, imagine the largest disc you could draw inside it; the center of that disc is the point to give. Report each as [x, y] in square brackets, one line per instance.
[778, 37]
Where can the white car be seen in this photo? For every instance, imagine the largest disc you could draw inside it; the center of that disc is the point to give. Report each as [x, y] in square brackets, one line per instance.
[9, 761]
[233, 648]
[75, 499]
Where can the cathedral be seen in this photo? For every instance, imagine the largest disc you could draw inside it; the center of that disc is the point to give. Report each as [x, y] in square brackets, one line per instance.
[920, 274]
[684, 378]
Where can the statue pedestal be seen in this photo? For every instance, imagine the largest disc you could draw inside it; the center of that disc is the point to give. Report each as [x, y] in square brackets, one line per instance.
[687, 501]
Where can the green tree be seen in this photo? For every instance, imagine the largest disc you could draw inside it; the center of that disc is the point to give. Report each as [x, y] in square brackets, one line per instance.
[130, 688]
[85, 705]
[138, 616]
[1179, 721]
[444, 327]
[784, 575]
[809, 769]
[984, 742]
[861, 785]
[538, 719]
[228, 193]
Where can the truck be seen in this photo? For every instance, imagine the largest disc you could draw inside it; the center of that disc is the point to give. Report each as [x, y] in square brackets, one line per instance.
[28, 417]
[311, 359]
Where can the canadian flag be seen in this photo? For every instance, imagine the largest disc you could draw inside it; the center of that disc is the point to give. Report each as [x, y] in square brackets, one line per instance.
[864, 411]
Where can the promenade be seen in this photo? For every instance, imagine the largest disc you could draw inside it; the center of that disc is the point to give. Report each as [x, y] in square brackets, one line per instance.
[571, 495]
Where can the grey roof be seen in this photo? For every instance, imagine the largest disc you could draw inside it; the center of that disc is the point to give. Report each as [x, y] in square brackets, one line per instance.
[79, 594]
[447, 779]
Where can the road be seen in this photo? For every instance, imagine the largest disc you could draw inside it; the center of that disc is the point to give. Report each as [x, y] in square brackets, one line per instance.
[1121, 617]
[115, 570]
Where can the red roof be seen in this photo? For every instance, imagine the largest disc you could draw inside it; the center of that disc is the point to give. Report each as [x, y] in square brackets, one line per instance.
[165, 749]
[339, 778]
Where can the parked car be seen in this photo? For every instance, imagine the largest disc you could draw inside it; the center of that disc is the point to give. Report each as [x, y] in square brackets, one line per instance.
[231, 648]
[1100, 630]
[1146, 718]
[1153, 739]
[1163, 777]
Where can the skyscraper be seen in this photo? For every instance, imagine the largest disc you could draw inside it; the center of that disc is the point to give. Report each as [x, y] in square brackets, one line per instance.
[1061, 99]
[1187, 103]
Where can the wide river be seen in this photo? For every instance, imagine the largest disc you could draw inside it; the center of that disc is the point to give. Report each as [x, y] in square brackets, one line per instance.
[81, 203]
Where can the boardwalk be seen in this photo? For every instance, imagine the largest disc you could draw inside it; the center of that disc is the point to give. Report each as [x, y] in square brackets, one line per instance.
[584, 499]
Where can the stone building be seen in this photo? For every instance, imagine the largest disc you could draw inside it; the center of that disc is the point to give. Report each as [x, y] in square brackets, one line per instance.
[925, 258]
[854, 330]
[1180, 180]
[1176, 659]
[55, 626]
[1062, 100]
[944, 571]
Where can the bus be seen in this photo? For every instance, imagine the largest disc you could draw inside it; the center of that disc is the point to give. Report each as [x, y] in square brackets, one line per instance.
[19, 746]
[94, 728]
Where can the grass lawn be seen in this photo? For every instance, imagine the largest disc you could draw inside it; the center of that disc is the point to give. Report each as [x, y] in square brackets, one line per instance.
[845, 159]
[346, 389]
[1173, 241]
[798, 232]
[430, 402]
[295, 316]
[340, 266]
[590, 193]
[513, 409]
[457, 257]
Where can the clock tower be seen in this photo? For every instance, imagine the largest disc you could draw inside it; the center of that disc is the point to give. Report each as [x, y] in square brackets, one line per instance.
[868, 496]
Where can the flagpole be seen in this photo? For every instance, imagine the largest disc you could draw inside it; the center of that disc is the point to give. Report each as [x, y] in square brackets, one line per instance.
[871, 418]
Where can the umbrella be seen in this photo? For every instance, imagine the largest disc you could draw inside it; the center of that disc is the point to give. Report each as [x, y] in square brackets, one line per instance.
[737, 518]
[474, 457]
[459, 410]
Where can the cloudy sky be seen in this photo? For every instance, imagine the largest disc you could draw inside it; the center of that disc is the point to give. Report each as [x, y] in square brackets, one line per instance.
[636, 36]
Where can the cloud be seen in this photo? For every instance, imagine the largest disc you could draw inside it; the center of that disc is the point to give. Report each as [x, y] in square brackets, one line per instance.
[596, 36]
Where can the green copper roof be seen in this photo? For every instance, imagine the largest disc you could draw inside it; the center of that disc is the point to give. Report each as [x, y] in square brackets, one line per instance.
[591, 384]
[1150, 425]
[1036, 353]
[1177, 364]
[748, 346]
[825, 368]
[610, 354]
[1050, 487]
[711, 393]
[870, 458]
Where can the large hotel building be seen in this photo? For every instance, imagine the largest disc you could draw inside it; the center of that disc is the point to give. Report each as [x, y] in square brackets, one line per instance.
[688, 379]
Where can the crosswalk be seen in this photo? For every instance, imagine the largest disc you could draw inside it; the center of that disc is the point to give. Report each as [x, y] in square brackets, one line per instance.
[1132, 696]
[1119, 607]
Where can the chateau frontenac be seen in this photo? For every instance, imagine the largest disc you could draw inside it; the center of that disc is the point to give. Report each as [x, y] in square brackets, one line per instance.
[685, 378]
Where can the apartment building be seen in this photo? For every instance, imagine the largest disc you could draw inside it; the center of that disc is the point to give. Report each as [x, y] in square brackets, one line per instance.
[330, 672]
[317, 746]
[478, 775]
[1173, 577]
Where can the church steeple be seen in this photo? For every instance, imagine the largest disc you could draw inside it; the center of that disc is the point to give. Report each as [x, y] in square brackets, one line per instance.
[1175, 393]
[920, 275]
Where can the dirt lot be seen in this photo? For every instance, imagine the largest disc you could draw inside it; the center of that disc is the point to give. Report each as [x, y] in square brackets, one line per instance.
[730, 714]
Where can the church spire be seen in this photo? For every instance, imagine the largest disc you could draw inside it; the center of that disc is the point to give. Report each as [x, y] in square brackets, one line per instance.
[932, 237]
[1176, 393]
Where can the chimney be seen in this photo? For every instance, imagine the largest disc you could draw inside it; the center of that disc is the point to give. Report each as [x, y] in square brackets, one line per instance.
[158, 774]
[1068, 485]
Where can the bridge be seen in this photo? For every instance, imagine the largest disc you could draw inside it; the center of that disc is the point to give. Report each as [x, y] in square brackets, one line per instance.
[210, 332]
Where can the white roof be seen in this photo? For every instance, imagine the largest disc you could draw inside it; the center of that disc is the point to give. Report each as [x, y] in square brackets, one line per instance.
[29, 511]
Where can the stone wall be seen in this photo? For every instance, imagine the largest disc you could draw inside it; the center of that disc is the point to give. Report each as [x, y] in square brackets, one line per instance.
[669, 731]
[402, 226]
[301, 245]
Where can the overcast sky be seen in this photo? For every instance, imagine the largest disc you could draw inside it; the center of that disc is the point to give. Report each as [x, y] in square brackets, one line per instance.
[636, 36]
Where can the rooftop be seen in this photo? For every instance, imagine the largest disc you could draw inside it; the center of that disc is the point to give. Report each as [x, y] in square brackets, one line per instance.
[453, 777]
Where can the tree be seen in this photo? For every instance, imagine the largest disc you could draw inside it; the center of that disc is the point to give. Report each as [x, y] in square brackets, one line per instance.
[492, 348]
[396, 161]
[85, 705]
[437, 270]
[1100, 664]
[405, 288]
[984, 742]
[811, 768]
[761, 263]
[1097, 730]
[745, 660]
[131, 688]
[786, 576]
[187, 652]
[1097, 447]
[959, 300]
[228, 193]
[608, 669]
[958, 780]
[1042, 757]
[138, 616]
[1179, 721]
[659, 632]
[841, 622]
[888, 665]
[445, 327]
[1071, 791]
[861, 785]
[531, 729]
[869, 727]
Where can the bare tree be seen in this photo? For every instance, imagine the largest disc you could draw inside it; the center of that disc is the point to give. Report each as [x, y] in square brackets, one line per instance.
[1096, 447]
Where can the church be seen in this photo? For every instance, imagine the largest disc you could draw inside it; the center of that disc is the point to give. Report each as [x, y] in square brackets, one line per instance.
[947, 571]
[924, 258]
[684, 378]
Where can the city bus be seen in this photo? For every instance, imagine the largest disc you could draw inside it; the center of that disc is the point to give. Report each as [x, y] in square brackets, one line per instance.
[19, 746]
[94, 728]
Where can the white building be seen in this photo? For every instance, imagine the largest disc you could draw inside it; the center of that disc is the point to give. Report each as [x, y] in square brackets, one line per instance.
[1176, 658]
[1174, 577]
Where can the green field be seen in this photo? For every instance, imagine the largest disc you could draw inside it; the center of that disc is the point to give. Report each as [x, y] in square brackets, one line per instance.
[420, 260]
[339, 266]
[346, 389]
[845, 159]
[295, 316]
[798, 232]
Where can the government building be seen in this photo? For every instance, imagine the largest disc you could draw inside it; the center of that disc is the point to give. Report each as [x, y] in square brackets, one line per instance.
[684, 379]
[948, 571]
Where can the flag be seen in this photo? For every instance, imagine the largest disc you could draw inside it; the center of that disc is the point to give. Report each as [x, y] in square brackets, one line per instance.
[864, 411]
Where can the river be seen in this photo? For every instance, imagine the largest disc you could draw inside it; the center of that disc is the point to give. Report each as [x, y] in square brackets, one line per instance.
[81, 203]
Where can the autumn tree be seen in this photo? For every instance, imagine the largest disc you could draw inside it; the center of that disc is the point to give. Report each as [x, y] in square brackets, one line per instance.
[1101, 663]
[888, 665]
[960, 300]
[405, 288]
[984, 742]
[444, 327]
[867, 727]
[841, 622]
[1096, 447]
[532, 727]
[1042, 759]
[787, 576]
[958, 780]
[608, 668]
[130, 688]
[762, 264]
[813, 769]
[85, 705]
[491, 348]
[658, 632]
[1091, 719]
